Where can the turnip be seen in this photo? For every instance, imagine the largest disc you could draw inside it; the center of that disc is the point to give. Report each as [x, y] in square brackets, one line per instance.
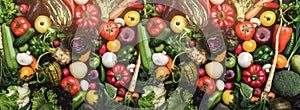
[245, 59]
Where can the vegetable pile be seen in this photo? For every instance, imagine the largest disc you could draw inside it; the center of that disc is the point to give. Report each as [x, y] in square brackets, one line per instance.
[140, 54]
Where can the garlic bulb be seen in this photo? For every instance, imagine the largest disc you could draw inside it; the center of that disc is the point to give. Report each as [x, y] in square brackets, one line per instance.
[160, 59]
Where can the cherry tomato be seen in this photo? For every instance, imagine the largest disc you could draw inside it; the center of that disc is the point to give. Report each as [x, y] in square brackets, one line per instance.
[249, 45]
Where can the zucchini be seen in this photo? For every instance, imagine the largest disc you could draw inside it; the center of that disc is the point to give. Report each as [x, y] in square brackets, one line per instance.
[10, 52]
[289, 46]
[145, 51]
[24, 38]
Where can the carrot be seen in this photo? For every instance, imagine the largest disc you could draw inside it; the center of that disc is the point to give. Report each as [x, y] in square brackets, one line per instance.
[254, 99]
[271, 95]
[135, 95]
[120, 9]
[169, 64]
[119, 99]
[33, 64]
[255, 10]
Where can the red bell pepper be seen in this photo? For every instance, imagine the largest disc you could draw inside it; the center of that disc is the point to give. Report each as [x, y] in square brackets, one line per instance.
[135, 5]
[206, 84]
[245, 30]
[71, 5]
[284, 36]
[20, 25]
[118, 75]
[70, 84]
[271, 5]
[254, 75]
[155, 26]
[222, 15]
[86, 15]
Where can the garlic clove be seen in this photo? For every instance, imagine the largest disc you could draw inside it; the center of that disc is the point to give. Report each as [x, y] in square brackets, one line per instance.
[24, 59]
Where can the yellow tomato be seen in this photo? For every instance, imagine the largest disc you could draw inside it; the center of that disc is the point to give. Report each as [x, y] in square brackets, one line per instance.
[281, 61]
[162, 73]
[113, 45]
[26, 72]
[132, 18]
[249, 45]
[227, 97]
[267, 18]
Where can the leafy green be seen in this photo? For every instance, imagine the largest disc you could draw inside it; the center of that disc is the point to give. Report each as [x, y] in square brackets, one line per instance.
[40, 101]
[146, 101]
[6, 102]
[180, 99]
[8, 10]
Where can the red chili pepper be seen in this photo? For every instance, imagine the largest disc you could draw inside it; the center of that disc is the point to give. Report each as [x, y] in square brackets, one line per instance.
[135, 5]
[271, 5]
[71, 5]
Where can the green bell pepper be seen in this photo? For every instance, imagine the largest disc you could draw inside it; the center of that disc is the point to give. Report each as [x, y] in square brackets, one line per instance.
[264, 54]
[127, 54]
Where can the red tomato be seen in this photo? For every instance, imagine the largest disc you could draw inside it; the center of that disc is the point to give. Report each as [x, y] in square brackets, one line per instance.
[109, 30]
[20, 25]
[206, 84]
[245, 30]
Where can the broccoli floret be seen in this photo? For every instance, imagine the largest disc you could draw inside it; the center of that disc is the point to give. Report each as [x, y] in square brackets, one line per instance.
[286, 83]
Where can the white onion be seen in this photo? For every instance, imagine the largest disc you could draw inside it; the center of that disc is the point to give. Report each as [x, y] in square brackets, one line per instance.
[78, 69]
[214, 69]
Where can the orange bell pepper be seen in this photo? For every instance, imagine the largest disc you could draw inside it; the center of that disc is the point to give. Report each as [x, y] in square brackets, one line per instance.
[284, 36]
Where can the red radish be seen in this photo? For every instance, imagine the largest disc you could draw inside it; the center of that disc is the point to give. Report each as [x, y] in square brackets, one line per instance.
[93, 85]
[159, 8]
[102, 49]
[257, 92]
[121, 92]
[238, 49]
[66, 72]
[202, 72]
[23, 8]
[56, 43]
[228, 85]
[192, 43]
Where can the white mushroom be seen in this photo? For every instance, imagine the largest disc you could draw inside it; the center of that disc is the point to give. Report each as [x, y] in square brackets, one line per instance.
[120, 22]
[255, 21]
[131, 67]
[160, 59]
[267, 67]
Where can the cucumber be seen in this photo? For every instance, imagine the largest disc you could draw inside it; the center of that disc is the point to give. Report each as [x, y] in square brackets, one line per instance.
[145, 51]
[10, 52]
[24, 38]
[289, 47]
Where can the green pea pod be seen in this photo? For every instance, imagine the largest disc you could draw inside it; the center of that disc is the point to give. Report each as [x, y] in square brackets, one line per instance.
[262, 55]
[238, 74]
[214, 99]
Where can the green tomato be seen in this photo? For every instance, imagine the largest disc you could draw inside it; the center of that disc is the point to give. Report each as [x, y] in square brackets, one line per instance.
[230, 62]
[227, 97]
[94, 62]
[178, 23]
